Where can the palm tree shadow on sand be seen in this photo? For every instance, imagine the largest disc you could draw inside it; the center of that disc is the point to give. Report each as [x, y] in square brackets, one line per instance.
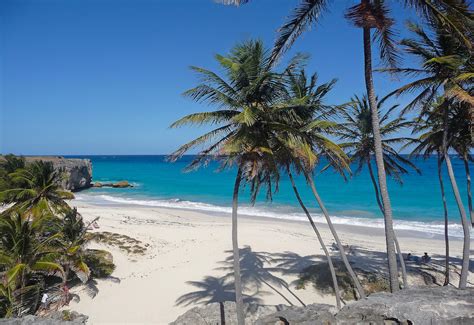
[213, 290]
[255, 275]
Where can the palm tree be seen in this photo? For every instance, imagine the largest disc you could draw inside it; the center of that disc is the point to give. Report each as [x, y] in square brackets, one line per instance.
[35, 191]
[244, 98]
[356, 131]
[25, 253]
[9, 164]
[368, 15]
[446, 70]
[429, 128]
[303, 145]
[303, 114]
[73, 239]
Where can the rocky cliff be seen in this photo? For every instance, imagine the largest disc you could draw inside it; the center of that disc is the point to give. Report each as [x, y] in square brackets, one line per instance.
[77, 172]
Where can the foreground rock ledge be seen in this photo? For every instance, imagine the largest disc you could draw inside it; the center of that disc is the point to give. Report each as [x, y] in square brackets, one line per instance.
[56, 318]
[442, 305]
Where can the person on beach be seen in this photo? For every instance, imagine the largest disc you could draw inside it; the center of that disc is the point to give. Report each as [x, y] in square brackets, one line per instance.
[44, 301]
[425, 258]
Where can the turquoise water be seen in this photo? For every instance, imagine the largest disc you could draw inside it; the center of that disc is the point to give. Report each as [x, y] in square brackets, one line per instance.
[416, 204]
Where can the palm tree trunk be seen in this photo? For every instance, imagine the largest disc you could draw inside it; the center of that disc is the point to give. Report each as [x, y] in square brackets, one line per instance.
[294, 295]
[446, 230]
[357, 284]
[321, 241]
[239, 304]
[397, 245]
[462, 211]
[277, 292]
[468, 180]
[389, 233]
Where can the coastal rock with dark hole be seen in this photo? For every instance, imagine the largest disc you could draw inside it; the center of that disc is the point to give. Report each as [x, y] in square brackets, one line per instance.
[77, 173]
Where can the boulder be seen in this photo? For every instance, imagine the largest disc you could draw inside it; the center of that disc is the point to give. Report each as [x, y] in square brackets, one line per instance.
[97, 184]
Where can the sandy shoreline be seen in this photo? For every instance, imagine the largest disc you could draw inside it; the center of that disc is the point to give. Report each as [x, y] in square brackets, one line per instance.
[185, 245]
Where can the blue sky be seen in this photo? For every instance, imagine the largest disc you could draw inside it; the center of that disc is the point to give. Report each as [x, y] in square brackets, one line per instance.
[106, 76]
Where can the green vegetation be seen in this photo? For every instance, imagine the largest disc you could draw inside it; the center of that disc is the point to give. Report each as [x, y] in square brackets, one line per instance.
[42, 240]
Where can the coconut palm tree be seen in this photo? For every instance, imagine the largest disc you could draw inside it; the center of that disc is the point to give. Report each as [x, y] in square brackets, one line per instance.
[73, 240]
[305, 143]
[447, 71]
[9, 164]
[244, 98]
[429, 128]
[356, 130]
[35, 191]
[305, 116]
[25, 254]
[369, 15]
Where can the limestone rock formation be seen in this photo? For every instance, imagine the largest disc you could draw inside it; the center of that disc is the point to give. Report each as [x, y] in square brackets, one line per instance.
[441, 305]
[220, 313]
[77, 173]
[56, 318]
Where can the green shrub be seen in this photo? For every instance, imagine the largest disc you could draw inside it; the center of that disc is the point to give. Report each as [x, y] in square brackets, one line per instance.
[100, 263]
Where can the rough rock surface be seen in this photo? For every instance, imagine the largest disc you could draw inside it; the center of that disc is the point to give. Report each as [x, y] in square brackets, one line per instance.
[442, 305]
[315, 314]
[57, 318]
[77, 172]
[214, 314]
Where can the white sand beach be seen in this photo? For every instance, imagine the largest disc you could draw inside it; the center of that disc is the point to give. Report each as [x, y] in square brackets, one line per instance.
[184, 245]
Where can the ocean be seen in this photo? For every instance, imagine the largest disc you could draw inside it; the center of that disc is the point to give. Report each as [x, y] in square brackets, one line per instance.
[416, 204]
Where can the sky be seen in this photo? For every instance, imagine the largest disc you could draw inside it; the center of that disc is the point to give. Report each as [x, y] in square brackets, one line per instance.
[85, 77]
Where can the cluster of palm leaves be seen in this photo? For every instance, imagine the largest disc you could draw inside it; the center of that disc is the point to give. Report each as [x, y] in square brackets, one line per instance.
[271, 122]
[42, 240]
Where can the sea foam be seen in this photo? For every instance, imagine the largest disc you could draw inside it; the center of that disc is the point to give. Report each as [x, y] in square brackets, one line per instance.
[428, 228]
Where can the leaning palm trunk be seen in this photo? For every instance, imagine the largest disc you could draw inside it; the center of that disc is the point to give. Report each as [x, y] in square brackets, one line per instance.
[465, 225]
[446, 231]
[357, 284]
[397, 245]
[389, 233]
[462, 211]
[321, 242]
[468, 180]
[239, 304]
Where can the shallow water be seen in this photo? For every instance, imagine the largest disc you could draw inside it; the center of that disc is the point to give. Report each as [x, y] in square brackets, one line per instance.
[416, 203]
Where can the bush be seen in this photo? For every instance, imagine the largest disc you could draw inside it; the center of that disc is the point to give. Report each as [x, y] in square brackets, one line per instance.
[100, 262]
